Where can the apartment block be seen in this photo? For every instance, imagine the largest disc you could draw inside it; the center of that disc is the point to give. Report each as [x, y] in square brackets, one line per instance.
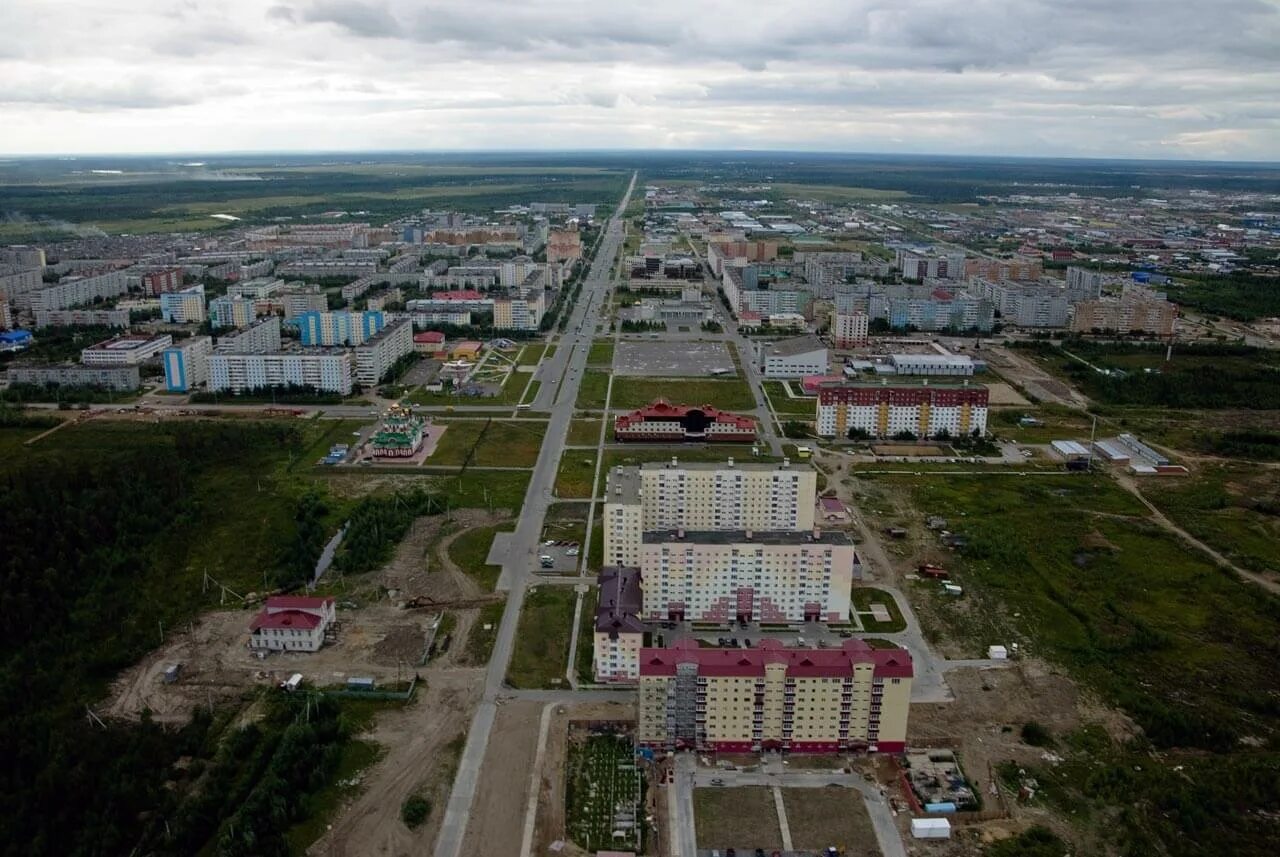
[162, 281]
[258, 288]
[74, 375]
[82, 318]
[339, 328]
[6, 315]
[619, 633]
[257, 338]
[1083, 284]
[230, 311]
[850, 329]
[186, 306]
[327, 371]
[1021, 268]
[381, 351]
[881, 410]
[1125, 316]
[925, 265]
[125, 350]
[783, 576]
[702, 496]
[304, 300]
[18, 282]
[75, 291]
[186, 364]
[564, 245]
[770, 697]
[520, 312]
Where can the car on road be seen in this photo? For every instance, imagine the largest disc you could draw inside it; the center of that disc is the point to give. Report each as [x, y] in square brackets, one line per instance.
[717, 782]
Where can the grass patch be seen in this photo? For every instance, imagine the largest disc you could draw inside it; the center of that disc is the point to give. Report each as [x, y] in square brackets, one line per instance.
[575, 478]
[601, 353]
[1056, 423]
[534, 353]
[602, 780]
[836, 816]
[542, 638]
[584, 657]
[469, 551]
[592, 390]
[742, 818]
[730, 394]
[785, 405]
[863, 597]
[584, 432]
[353, 759]
[481, 639]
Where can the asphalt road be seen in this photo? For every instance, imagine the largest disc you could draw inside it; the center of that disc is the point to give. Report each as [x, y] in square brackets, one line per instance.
[564, 374]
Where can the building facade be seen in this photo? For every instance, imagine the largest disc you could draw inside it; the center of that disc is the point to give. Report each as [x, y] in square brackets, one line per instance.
[186, 306]
[82, 318]
[73, 375]
[665, 422]
[794, 358]
[327, 371]
[125, 350]
[619, 633]
[228, 311]
[850, 329]
[256, 338]
[883, 410]
[186, 364]
[162, 281]
[329, 329]
[784, 577]
[292, 623]
[770, 697]
[1125, 316]
[379, 353]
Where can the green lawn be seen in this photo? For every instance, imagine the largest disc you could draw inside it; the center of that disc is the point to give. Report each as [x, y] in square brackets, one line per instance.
[497, 443]
[575, 478]
[535, 352]
[583, 658]
[469, 551]
[592, 390]
[601, 353]
[1058, 423]
[481, 639]
[584, 432]
[730, 394]
[864, 596]
[786, 406]
[542, 638]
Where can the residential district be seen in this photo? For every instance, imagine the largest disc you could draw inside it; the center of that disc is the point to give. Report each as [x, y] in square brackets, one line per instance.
[699, 368]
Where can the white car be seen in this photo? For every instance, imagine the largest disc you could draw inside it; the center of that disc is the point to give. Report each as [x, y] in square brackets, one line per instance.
[571, 552]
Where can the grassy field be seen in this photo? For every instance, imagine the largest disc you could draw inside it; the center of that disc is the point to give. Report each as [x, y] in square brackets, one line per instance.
[503, 443]
[534, 353]
[585, 432]
[542, 638]
[509, 393]
[469, 551]
[592, 390]
[602, 778]
[575, 478]
[786, 406]
[630, 393]
[481, 639]
[1058, 423]
[601, 353]
[583, 658]
[356, 756]
[742, 818]
[864, 596]
[835, 816]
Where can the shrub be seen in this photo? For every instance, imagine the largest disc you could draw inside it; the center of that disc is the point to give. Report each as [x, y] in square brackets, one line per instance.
[414, 811]
[1036, 734]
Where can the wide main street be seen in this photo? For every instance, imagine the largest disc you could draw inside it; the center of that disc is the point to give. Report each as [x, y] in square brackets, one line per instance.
[558, 394]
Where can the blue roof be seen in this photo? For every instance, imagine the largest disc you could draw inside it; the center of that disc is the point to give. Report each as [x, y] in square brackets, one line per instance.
[15, 335]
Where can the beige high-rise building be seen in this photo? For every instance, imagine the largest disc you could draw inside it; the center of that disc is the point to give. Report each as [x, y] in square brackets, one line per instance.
[704, 496]
[850, 329]
[774, 698]
[1124, 316]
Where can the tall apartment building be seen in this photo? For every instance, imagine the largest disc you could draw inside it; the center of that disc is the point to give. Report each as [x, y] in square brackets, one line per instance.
[1083, 284]
[327, 371]
[6, 315]
[82, 318]
[1025, 305]
[702, 496]
[850, 329]
[74, 292]
[923, 265]
[564, 245]
[74, 375]
[619, 633]
[770, 697]
[18, 282]
[125, 350]
[228, 311]
[380, 352]
[721, 253]
[339, 328]
[520, 312]
[1022, 268]
[162, 281]
[303, 300]
[186, 306]
[186, 364]
[923, 409]
[257, 338]
[1125, 316]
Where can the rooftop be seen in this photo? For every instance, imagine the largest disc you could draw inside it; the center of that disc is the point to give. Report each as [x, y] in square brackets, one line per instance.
[620, 600]
[795, 345]
[887, 663]
[758, 537]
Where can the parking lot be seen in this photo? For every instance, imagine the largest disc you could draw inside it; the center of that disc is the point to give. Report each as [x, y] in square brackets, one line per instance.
[663, 359]
[565, 556]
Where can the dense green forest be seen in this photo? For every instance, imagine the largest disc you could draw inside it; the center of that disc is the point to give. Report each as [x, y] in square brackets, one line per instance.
[101, 531]
[1240, 296]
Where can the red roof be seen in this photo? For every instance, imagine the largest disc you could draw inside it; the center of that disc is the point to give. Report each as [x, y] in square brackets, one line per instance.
[663, 410]
[832, 504]
[285, 619]
[817, 663]
[810, 382]
[941, 295]
[429, 336]
[749, 315]
[297, 602]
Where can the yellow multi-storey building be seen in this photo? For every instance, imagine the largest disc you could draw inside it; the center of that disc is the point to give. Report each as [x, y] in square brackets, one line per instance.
[775, 698]
[706, 496]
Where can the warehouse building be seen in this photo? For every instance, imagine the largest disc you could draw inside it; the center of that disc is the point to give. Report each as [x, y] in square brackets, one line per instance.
[794, 358]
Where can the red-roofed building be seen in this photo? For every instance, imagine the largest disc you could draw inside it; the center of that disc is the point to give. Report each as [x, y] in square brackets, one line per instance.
[292, 623]
[771, 697]
[665, 422]
[429, 342]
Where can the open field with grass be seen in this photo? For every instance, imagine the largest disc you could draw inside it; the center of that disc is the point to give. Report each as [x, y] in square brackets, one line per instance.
[584, 432]
[835, 193]
[542, 638]
[864, 596]
[1058, 423]
[496, 443]
[819, 818]
[601, 353]
[584, 656]
[742, 818]
[484, 633]
[534, 353]
[786, 406]
[469, 550]
[576, 476]
[630, 393]
[602, 788]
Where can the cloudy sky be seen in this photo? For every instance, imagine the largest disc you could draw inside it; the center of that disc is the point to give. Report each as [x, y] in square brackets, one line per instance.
[1141, 78]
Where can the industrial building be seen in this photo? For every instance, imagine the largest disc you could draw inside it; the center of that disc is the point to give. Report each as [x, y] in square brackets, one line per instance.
[702, 496]
[794, 358]
[957, 365]
[881, 410]
[770, 697]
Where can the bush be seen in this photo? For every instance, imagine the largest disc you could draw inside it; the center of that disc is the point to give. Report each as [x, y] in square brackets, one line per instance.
[414, 811]
[1034, 842]
[1036, 734]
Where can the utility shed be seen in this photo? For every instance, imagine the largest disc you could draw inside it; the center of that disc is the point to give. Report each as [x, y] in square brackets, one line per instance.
[930, 828]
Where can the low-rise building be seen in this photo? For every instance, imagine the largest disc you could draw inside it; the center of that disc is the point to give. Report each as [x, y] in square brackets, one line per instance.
[619, 632]
[125, 350]
[919, 409]
[292, 623]
[429, 342]
[794, 358]
[665, 422]
[770, 697]
[401, 434]
[82, 318]
[376, 355]
[186, 364]
[932, 364]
